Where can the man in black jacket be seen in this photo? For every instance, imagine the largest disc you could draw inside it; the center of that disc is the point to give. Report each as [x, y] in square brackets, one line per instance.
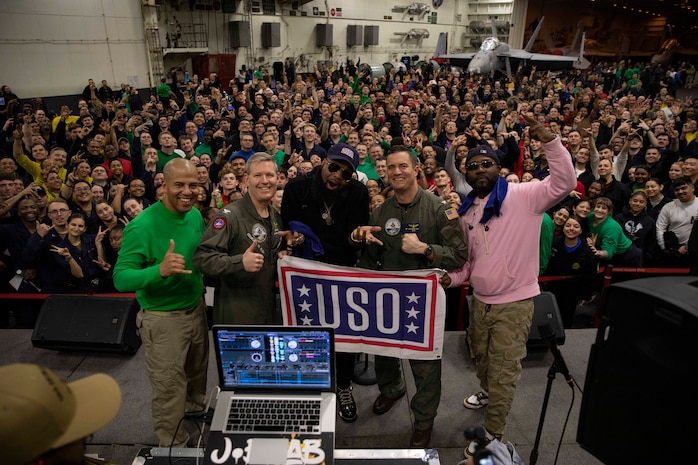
[332, 203]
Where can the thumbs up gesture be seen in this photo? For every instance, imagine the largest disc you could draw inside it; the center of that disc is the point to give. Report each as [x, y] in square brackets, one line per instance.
[172, 263]
[251, 260]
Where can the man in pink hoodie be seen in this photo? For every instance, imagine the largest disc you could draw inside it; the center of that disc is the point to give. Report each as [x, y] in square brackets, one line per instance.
[501, 223]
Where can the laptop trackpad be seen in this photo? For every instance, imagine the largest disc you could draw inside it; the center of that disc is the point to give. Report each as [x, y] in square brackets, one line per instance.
[267, 451]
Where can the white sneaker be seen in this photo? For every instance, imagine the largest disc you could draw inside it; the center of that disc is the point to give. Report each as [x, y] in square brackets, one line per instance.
[476, 401]
[469, 451]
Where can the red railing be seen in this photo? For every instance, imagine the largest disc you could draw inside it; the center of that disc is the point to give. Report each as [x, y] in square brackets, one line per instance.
[607, 271]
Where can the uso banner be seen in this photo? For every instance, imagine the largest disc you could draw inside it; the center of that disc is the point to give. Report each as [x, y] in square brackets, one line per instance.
[396, 314]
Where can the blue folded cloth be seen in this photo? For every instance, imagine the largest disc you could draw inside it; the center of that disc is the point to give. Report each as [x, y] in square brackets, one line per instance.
[494, 203]
[311, 248]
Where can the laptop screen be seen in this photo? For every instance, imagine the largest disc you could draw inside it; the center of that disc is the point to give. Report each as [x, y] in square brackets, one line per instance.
[272, 357]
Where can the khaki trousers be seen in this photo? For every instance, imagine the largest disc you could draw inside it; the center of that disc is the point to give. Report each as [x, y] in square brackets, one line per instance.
[176, 355]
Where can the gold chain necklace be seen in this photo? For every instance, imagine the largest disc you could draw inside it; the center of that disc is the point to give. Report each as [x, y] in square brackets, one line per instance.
[327, 214]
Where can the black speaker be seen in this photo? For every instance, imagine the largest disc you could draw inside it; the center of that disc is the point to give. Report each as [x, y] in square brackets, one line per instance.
[271, 35]
[323, 35]
[88, 323]
[545, 310]
[640, 404]
[239, 34]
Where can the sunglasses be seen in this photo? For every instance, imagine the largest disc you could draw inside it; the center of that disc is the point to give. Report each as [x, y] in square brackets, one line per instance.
[485, 164]
[346, 174]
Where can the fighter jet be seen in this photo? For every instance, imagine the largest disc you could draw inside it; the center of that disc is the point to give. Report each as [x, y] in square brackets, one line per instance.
[495, 55]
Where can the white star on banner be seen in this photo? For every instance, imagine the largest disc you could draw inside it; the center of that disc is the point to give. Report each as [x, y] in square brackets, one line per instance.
[411, 328]
[413, 298]
[305, 291]
[412, 313]
[307, 321]
[305, 306]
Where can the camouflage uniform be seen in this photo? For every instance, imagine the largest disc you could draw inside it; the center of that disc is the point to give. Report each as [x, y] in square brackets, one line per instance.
[498, 335]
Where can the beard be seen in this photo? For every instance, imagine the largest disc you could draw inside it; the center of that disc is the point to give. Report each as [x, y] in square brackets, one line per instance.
[483, 185]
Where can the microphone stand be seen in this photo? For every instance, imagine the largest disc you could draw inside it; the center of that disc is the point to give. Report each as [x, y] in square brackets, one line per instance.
[364, 372]
[551, 376]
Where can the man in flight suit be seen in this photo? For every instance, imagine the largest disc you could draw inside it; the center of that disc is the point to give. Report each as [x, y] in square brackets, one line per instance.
[412, 230]
[240, 248]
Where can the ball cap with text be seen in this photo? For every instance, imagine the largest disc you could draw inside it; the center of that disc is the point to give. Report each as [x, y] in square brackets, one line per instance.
[344, 152]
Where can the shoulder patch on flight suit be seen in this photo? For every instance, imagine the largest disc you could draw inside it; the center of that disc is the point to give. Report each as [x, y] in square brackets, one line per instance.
[451, 214]
[219, 223]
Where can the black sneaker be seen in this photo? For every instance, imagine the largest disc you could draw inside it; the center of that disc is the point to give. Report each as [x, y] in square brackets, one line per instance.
[346, 406]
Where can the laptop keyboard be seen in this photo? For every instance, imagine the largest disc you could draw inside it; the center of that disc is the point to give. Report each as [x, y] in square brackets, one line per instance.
[274, 415]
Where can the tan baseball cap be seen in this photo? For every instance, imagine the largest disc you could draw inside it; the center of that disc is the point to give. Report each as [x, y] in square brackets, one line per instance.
[41, 412]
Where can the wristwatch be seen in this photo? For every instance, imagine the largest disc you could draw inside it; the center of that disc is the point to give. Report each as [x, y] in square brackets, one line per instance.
[428, 251]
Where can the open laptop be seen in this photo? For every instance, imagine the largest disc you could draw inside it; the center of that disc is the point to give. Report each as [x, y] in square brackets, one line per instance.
[278, 394]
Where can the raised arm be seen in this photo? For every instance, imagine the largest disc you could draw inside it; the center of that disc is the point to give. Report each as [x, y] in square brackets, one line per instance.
[622, 159]
[562, 177]
[502, 128]
[438, 121]
[7, 205]
[458, 178]
[96, 102]
[313, 93]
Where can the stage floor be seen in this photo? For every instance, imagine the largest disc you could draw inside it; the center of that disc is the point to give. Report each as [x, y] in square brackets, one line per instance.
[120, 441]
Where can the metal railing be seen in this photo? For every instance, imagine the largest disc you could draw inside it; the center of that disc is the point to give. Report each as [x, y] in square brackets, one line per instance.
[186, 35]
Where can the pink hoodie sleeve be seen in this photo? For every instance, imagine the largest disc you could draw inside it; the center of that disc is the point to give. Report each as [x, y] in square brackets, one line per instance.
[458, 277]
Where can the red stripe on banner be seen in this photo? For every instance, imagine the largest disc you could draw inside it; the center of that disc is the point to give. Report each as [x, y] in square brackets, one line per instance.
[434, 284]
[357, 274]
[430, 348]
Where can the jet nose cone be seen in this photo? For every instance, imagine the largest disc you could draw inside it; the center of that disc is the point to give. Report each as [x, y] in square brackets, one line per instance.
[479, 64]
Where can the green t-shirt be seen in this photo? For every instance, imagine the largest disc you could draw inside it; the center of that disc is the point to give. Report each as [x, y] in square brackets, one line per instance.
[163, 158]
[146, 241]
[547, 233]
[203, 148]
[368, 168]
[609, 236]
[164, 90]
[279, 157]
